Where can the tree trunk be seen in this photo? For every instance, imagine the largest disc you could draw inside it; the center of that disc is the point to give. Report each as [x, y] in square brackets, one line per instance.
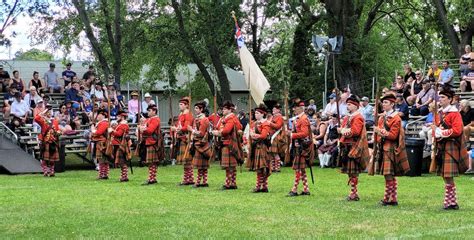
[80, 7]
[118, 44]
[300, 61]
[190, 50]
[343, 19]
[448, 28]
[220, 71]
[254, 25]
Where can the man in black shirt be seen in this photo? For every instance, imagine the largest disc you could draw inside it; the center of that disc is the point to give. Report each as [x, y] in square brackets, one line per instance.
[89, 73]
[467, 114]
[402, 108]
[409, 73]
[4, 79]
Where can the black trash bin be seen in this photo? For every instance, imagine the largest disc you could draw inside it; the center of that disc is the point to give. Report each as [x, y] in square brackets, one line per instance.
[414, 147]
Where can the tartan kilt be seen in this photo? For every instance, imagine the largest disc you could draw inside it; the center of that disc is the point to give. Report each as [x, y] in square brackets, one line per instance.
[392, 166]
[47, 156]
[299, 162]
[351, 165]
[100, 152]
[450, 166]
[184, 157]
[227, 159]
[279, 144]
[119, 155]
[261, 158]
[200, 161]
[151, 155]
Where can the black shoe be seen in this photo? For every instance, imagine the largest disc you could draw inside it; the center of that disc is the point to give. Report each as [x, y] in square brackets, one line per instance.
[451, 207]
[264, 190]
[103, 178]
[52, 175]
[204, 185]
[305, 193]
[383, 203]
[356, 198]
[196, 186]
[232, 187]
[256, 190]
[292, 194]
[123, 179]
[224, 187]
[149, 183]
[185, 184]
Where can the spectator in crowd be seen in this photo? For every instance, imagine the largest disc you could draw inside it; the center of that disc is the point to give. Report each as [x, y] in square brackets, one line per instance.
[19, 111]
[409, 74]
[90, 72]
[467, 79]
[310, 113]
[426, 130]
[52, 79]
[32, 98]
[319, 132]
[414, 88]
[64, 119]
[346, 93]
[68, 75]
[312, 105]
[434, 72]
[367, 112]
[73, 96]
[464, 60]
[37, 83]
[456, 101]
[467, 114]
[423, 99]
[243, 119]
[147, 102]
[18, 82]
[402, 108]
[399, 85]
[133, 107]
[4, 79]
[8, 99]
[98, 91]
[331, 107]
[88, 107]
[328, 150]
[446, 76]
[84, 93]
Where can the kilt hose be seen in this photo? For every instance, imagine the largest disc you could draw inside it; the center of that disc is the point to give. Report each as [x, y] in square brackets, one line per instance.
[47, 167]
[120, 160]
[300, 175]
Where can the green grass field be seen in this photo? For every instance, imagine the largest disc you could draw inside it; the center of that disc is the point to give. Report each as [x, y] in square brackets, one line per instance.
[75, 205]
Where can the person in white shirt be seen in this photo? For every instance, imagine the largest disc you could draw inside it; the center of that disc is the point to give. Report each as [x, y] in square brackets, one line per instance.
[331, 107]
[20, 111]
[32, 98]
[147, 102]
[98, 91]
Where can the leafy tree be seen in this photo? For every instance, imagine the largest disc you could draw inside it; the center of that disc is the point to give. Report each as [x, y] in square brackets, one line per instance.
[34, 54]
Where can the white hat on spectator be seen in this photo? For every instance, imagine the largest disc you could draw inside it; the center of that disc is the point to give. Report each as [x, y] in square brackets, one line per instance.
[365, 99]
[147, 95]
[39, 100]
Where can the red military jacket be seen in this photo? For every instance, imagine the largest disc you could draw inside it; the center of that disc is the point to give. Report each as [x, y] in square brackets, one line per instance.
[47, 128]
[451, 123]
[201, 124]
[101, 131]
[276, 123]
[352, 126]
[214, 119]
[394, 123]
[120, 131]
[226, 126]
[263, 129]
[152, 126]
[302, 127]
[184, 120]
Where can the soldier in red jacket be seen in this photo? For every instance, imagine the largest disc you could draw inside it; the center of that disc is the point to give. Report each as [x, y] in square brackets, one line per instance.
[49, 141]
[121, 149]
[99, 137]
[451, 155]
[231, 150]
[201, 146]
[304, 152]
[152, 137]
[278, 138]
[354, 148]
[260, 158]
[185, 119]
[391, 157]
